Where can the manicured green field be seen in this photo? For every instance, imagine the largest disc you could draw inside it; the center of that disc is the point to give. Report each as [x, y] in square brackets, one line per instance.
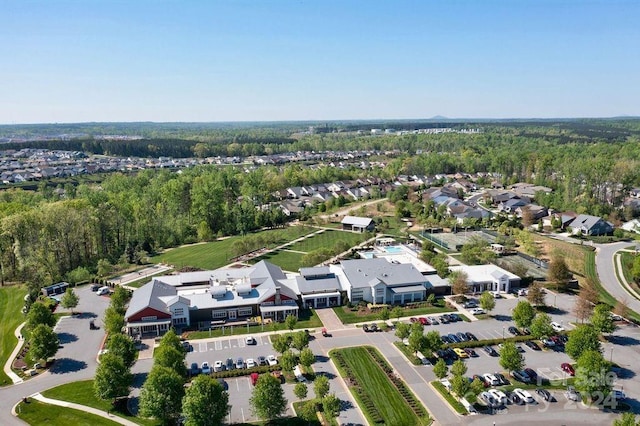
[82, 393]
[328, 239]
[11, 302]
[37, 413]
[379, 388]
[307, 319]
[627, 263]
[218, 253]
[350, 317]
[287, 260]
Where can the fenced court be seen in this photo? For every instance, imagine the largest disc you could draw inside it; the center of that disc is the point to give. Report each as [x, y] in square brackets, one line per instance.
[452, 241]
[514, 261]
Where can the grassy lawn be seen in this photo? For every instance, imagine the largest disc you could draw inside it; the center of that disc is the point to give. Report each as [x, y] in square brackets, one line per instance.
[216, 254]
[347, 316]
[287, 260]
[307, 318]
[327, 239]
[627, 263]
[37, 413]
[452, 400]
[374, 383]
[82, 393]
[11, 302]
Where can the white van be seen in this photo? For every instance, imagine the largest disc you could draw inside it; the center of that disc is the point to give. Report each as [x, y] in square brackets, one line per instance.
[103, 290]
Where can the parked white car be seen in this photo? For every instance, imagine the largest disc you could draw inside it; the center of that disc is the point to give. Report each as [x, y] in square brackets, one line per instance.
[251, 363]
[491, 379]
[526, 396]
[556, 326]
[217, 366]
[500, 396]
[272, 360]
[477, 311]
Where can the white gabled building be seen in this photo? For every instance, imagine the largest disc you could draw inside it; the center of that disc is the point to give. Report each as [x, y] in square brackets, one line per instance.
[488, 277]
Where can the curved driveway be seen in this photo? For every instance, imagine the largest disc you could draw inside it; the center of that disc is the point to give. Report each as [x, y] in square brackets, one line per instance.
[607, 273]
[75, 360]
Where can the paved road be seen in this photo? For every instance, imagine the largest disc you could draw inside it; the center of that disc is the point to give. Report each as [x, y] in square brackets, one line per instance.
[76, 360]
[606, 272]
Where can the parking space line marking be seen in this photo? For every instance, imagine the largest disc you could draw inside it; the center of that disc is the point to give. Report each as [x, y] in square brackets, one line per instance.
[218, 345]
[203, 347]
[240, 343]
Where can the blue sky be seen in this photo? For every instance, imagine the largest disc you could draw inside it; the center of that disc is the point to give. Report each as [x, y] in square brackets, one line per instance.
[156, 60]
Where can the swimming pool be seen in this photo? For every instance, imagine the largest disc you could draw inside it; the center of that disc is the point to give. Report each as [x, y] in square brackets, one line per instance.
[393, 249]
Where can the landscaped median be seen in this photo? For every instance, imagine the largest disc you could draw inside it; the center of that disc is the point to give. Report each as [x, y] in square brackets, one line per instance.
[355, 314]
[383, 397]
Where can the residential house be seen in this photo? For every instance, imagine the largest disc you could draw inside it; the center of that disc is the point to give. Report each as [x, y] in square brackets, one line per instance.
[591, 225]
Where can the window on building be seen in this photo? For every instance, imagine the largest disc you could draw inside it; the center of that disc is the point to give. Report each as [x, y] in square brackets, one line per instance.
[178, 311]
[245, 311]
[149, 318]
[219, 314]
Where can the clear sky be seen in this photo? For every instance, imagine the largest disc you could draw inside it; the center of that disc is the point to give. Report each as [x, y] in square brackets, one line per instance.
[240, 60]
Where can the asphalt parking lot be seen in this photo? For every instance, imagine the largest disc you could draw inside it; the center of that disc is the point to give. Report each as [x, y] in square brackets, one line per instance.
[239, 389]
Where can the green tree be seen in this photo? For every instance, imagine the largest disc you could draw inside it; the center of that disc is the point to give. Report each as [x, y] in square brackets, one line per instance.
[321, 386]
[280, 343]
[119, 299]
[397, 312]
[523, 314]
[122, 346]
[113, 321]
[161, 395]
[43, 342]
[541, 326]
[290, 322]
[459, 368]
[601, 319]
[417, 340]
[113, 378]
[205, 402]
[267, 399]
[431, 299]
[171, 339]
[510, 358]
[288, 360]
[487, 301]
[40, 314]
[477, 386]
[300, 340]
[558, 271]
[307, 357]
[385, 314]
[70, 299]
[460, 385]
[536, 295]
[626, 419]
[170, 357]
[592, 375]
[583, 338]
[300, 390]
[402, 330]
[440, 369]
[79, 275]
[433, 341]
[331, 405]
[458, 281]
[104, 268]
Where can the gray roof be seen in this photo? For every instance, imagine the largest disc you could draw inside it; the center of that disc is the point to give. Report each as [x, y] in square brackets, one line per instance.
[585, 221]
[318, 285]
[408, 289]
[315, 271]
[149, 296]
[367, 272]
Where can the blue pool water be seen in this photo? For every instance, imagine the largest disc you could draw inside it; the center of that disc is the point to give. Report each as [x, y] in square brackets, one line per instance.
[393, 249]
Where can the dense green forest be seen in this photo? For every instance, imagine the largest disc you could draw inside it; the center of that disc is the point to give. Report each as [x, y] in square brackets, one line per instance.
[590, 164]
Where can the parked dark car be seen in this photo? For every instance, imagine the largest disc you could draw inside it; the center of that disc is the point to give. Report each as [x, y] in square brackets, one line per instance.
[374, 327]
[453, 338]
[471, 352]
[503, 380]
[462, 336]
[471, 336]
[531, 373]
[455, 317]
[451, 354]
[444, 319]
[445, 339]
[545, 394]
[514, 398]
[365, 328]
[230, 364]
[521, 376]
[533, 345]
[433, 321]
[490, 350]
[568, 368]
[513, 330]
[194, 370]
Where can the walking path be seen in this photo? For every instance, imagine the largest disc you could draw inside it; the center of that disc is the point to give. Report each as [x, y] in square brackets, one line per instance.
[7, 366]
[106, 415]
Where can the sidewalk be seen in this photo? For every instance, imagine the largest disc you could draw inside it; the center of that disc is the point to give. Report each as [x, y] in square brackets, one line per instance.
[114, 418]
[7, 366]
